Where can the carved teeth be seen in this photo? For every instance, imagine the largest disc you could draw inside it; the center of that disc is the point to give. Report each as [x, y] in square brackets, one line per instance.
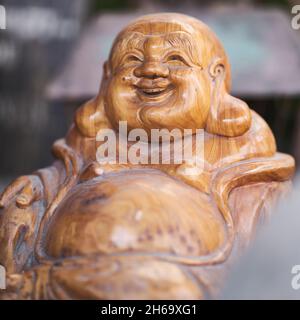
[154, 90]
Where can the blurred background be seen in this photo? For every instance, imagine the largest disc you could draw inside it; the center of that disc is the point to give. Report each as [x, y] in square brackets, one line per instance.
[51, 57]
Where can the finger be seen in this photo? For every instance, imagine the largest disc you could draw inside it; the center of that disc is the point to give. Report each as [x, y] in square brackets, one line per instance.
[24, 199]
[30, 193]
[14, 281]
[12, 190]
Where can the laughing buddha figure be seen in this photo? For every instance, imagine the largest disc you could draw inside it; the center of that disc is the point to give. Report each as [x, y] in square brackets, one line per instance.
[85, 229]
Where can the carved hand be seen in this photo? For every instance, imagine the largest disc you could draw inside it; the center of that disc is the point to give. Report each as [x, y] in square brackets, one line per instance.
[25, 190]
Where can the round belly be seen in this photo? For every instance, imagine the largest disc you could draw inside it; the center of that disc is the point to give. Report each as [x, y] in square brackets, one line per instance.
[141, 210]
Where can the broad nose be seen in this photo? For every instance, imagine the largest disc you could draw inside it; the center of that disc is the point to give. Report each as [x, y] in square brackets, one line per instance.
[152, 70]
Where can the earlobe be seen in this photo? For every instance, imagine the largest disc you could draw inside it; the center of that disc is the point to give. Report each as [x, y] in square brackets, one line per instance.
[231, 118]
[91, 117]
[228, 116]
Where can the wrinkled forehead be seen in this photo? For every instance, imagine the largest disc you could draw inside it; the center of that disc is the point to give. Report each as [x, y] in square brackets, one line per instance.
[182, 37]
[179, 40]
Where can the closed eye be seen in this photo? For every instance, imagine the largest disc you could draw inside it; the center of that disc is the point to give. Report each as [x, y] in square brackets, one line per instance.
[132, 59]
[176, 59]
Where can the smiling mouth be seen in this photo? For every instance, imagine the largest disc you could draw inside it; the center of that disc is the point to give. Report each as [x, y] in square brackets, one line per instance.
[153, 92]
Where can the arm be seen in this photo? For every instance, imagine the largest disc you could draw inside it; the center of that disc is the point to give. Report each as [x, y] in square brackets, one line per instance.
[29, 202]
[23, 204]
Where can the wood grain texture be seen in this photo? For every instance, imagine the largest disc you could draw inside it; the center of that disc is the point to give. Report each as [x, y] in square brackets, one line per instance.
[80, 229]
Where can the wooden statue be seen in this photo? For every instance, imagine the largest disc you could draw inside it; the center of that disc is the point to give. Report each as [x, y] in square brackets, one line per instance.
[83, 228]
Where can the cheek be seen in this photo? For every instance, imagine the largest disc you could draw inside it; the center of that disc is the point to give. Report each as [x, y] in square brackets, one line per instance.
[203, 87]
[203, 97]
[181, 75]
[194, 87]
[120, 100]
[120, 83]
[191, 80]
[119, 89]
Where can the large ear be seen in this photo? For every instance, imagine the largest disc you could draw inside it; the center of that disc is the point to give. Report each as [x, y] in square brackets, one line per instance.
[106, 70]
[228, 116]
[91, 116]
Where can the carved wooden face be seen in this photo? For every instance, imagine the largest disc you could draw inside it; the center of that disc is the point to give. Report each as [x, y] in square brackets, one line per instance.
[158, 77]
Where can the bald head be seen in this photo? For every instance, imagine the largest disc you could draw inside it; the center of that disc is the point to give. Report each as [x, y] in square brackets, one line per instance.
[179, 31]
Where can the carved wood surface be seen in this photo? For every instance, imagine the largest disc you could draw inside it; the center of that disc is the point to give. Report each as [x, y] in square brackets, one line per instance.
[84, 229]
